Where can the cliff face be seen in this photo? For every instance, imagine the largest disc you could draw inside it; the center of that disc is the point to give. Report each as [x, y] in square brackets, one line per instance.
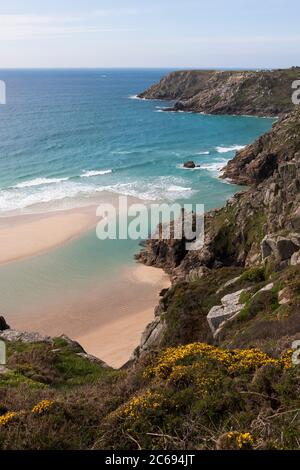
[179, 85]
[258, 161]
[260, 93]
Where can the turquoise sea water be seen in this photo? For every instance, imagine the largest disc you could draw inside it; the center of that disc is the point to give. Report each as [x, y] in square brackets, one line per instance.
[67, 136]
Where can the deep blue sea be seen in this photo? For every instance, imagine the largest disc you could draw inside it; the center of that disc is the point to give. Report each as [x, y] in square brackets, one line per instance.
[66, 136]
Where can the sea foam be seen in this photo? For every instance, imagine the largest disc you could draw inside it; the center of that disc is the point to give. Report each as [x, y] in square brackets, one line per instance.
[230, 149]
[39, 182]
[89, 173]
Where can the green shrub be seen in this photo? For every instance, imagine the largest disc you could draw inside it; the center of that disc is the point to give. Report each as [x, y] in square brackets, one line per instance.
[256, 274]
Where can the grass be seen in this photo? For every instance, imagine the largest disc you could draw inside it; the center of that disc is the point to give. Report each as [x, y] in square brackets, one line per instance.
[263, 321]
[187, 304]
[256, 274]
[75, 370]
[58, 365]
[15, 379]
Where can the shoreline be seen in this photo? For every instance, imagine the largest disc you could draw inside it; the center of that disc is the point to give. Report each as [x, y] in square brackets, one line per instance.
[106, 316]
[24, 236]
[107, 319]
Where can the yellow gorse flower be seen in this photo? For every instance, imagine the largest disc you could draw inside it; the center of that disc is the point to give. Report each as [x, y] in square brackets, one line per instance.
[41, 407]
[8, 417]
[242, 439]
[234, 360]
[146, 401]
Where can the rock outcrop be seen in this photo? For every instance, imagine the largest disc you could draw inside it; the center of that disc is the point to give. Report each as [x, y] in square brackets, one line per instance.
[15, 336]
[280, 248]
[277, 150]
[260, 93]
[3, 324]
[24, 337]
[230, 305]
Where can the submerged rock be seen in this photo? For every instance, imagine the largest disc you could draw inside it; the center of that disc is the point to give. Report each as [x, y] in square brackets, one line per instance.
[190, 164]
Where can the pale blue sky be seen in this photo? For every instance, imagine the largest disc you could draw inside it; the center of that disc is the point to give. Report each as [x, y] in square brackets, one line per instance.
[149, 33]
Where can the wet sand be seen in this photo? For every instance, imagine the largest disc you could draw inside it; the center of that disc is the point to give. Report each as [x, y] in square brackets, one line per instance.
[106, 319]
[116, 338]
[108, 316]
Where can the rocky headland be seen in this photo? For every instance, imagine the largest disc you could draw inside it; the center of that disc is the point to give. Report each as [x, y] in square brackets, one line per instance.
[257, 93]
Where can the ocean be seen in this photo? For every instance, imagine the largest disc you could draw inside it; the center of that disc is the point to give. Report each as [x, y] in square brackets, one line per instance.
[66, 136]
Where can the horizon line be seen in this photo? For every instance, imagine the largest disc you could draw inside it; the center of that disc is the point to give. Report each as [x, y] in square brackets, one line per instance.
[150, 68]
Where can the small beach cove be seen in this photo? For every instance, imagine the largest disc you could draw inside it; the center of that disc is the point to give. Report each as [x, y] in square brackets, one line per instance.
[91, 290]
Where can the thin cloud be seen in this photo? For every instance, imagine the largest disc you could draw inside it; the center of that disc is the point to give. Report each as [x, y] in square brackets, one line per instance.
[126, 11]
[15, 27]
[117, 12]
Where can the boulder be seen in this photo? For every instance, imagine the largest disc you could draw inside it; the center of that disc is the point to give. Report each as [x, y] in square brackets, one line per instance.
[195, 274]
[220, 313]
[281, 247]
[267, 246]
[3, 324]
[295, 220]
[295, 259]
[152, 334]
[286, 248]
[151, 337]
[190, 164]
[266, 288]
[283, 296]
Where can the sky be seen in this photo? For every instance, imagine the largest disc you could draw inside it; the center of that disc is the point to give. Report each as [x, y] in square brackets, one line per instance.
[149, 33]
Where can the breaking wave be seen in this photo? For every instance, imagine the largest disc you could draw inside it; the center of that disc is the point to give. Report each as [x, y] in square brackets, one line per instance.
[233, 148]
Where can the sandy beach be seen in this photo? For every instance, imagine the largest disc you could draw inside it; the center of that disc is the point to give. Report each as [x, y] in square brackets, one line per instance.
[106, 319]
[116, 338]
[26, 235]
[108, 316]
